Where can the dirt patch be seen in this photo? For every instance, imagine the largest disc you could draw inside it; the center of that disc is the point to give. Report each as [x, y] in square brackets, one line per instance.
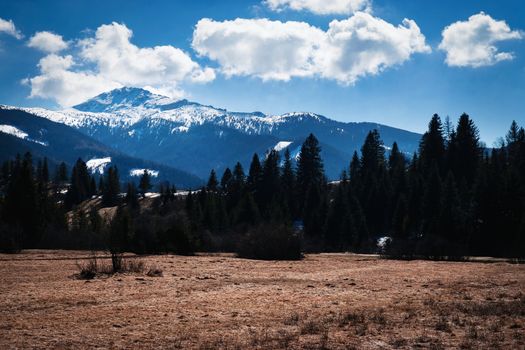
[334, 301]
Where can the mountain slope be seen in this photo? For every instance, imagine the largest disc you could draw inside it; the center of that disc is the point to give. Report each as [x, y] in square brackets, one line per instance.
[21, 132]
[197, 138]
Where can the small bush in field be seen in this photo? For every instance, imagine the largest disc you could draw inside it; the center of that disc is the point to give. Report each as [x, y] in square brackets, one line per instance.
[154, 271]
[94, 267]
[88, 270]
[271, 242]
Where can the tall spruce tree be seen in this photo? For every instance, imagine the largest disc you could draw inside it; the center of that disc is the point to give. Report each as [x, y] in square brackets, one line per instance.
[310, 169]
[110, 196]
[432, 146]
[212, 182]
[145, 183]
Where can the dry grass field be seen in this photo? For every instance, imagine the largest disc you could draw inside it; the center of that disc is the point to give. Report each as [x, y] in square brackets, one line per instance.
[333, 301]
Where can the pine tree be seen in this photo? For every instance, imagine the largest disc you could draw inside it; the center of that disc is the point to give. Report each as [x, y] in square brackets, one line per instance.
[310, 170]
[212, 182]
[432, 146]
[465, 151]
[237, 187]
[80, 187]
[288, 182]
[62, 173]
[431, 202]
[270, 184]
[226, 180]
[132, 199]
[372, 155]
[254, 174]
[450, 222]
[338, 229]
[110, 196]
[145, 183]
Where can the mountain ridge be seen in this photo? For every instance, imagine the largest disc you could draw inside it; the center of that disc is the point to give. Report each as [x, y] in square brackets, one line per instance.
[197, 138]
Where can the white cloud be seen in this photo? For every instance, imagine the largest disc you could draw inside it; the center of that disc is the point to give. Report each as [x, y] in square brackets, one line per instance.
[472, 43]
[274, 50]
[259, 47]
[59, 82]
[47, 42]
[365, 45]
[320, 7]
[118, 59]
[8, 27]
[109, 60]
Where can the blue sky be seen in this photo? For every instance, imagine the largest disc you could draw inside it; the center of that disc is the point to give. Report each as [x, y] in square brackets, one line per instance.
[401, 81]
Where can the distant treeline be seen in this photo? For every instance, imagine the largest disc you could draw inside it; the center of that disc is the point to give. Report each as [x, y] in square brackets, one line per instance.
[452, 198]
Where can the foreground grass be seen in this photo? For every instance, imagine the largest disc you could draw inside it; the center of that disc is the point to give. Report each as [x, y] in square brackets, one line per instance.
[332, 301]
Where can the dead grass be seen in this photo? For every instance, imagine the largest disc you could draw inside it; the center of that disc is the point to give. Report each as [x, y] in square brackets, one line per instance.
[327, 301]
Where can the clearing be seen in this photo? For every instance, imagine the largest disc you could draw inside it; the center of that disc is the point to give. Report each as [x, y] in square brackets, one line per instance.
[335, 301]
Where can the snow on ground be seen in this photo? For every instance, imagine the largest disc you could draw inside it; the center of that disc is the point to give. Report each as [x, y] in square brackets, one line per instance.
[97, 165]
[12, 130]
[281, 145]
[139, 172]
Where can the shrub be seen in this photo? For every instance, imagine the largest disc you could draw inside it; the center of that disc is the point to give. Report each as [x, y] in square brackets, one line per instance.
[89, 270]
[271, 242]
[10, 239]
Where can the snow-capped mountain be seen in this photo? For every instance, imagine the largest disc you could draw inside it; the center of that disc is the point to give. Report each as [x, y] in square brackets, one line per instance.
[22, 132]
[197, 138]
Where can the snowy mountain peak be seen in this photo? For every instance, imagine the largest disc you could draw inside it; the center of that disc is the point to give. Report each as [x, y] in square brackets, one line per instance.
[125, 98]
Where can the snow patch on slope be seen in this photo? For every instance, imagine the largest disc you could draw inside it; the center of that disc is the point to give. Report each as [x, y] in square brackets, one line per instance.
[139, 172]
[13, 130]
[97, 165]
[281, 145]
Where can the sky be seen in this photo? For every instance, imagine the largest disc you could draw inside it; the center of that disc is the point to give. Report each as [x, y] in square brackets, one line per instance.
[392, 62]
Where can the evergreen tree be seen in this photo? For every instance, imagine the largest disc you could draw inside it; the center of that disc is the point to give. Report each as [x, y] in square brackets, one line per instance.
[226, 180]
[310, 170]
[212, 182]
[254, 174]
[464, 151]
[80, 187]
[432, 146]
[110, 196]
[145, 183]
[338, 229]
[288, 183]
[270, 183]
[372, 155]
[132, 199]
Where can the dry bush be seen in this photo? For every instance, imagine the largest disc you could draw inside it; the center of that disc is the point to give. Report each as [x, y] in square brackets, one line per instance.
[87, 270]
[312, 327]
[95, 267]
[133, 266]
[154, 271]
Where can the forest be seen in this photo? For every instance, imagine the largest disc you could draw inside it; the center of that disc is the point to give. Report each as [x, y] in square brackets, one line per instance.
[454, 198]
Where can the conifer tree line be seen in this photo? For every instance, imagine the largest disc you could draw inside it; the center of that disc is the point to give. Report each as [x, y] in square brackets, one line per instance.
[451, 198]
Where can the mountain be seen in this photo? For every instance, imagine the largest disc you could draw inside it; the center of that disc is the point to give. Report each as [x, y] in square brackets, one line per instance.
[21, 132]
[196, 138]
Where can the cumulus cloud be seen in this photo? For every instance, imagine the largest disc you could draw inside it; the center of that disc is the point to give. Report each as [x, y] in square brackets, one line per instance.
[259, 47]
[472, 43]
[8, 27]
[109, 60]
[365, 45]
[47, 42]
[58, 81]
[274, 50]
[320, 7]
